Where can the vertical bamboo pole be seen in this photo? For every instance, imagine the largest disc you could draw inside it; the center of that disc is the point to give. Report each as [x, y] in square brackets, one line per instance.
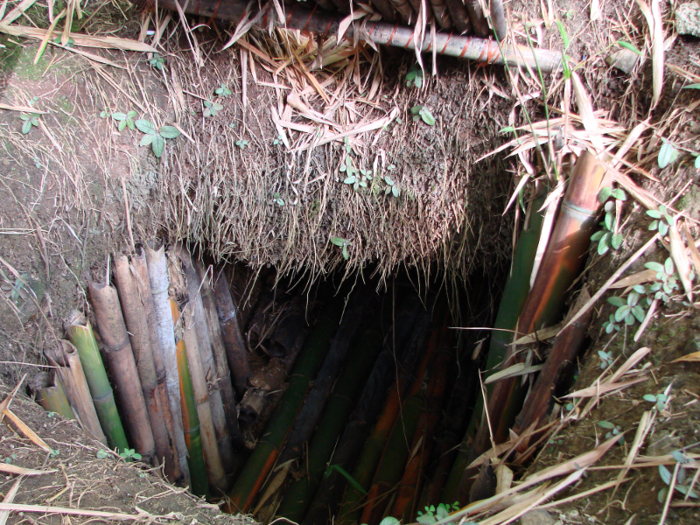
[208, 366]
[81, 335]
[190, 417]
[121, 361]
[139, 334]
[231, 332]
[159, 284]
[50, 395]
[70, 371]
[223, 373]
[174, 470]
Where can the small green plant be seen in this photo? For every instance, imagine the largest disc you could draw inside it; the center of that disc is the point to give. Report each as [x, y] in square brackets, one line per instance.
[628, 310]
[606, 359]
[124, 120]
[155, 137]
[424, 114]
[613, 430]
[102, 454]
[29, 121]
[278, 141]
[223, 91]
[629, 46]
[210, 108]
[10, 458]
[129, 454]
[277, 199]
[659, 399]
[668, 154]
[391, 187]
[667, 280]
[607, 237]
[70, 42]
[415, 77]
[434, 514]
[662, 220]
[54, 453]
[684, 482]
[157, 61]
[342, 243]
[242, 143]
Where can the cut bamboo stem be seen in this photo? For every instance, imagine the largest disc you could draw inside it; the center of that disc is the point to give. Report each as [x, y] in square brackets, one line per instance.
[137, 324]
[50, 394]
[222, 371]
[195, 314]
[159, 284]
[482, 50]
[231, 332]
[70, 371]
[173, 469]
[122, 365]
[190, 416]
[81, 335]
[411, 320]
[266, 452]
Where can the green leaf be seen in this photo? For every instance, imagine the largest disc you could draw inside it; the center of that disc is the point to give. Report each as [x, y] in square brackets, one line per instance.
[653, 265]
[101, 454]
[507, 129]
[119, 116]
[649, 397]
[416, 109]
[396, 191]
[616, 241]
[339, 241]
[665, 474]
[680, 457]
[389, 520]
[597, 236]
[692, 86]
[663, 228]
[121, 125]
[26, 127]
[629, 46]
[388, 180]
[621, 313]
[145, 126]
[427, 117]
[605, 194]
[603, 245]
[654, 214]
[616, 301]
[146, 140]
[346, 254]
[667, 154]
[131, 114]
[564, 35]
[668, 266]
[606, 425]
[697, 160]
[609, 220]
[158, 145]
[169, 132]
[619, 194]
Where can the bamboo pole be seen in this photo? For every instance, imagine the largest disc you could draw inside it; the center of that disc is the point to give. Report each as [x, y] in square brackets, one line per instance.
[139, 335]
[81, 335]
[512, 301]
[266, 452]
[560, 266]
[423, 440]
[186, 326]
[374, 446]
[173, 469]
[120, 357]
[50, 395]
[498, 18]
[190, 416]
[222, 371]
[64, 356]
[460, 16]
[481, 50]
[159, 285]
[231, 332]
[195, 308]
[345, 392]
[403, 348]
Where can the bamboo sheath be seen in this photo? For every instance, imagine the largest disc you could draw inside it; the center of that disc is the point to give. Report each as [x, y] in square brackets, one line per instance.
[190, 413]
[140, 268]
[195, 306]
[411, 319]
[481, 50]
[267, 450]
[222, 372]
[122, 365]
[72, 376]
[51, 396]
[560, 266]
[139, 334]
[231, 332]
[81, 335]
[159, 285]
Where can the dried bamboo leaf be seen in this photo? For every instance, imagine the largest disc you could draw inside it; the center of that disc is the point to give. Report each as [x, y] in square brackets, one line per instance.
[689, 358]
[644, 276]
[26, 430]
[17, 11]
[518, 369]
[597, 390]
[9, 498]
[585, 107]
[21, 471]
[680, 258]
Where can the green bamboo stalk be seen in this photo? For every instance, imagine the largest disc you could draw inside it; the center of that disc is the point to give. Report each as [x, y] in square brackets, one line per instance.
[265, 454]
[81, 335]
[512, 301]
[190, 419]
[50, 395]
[345, 392]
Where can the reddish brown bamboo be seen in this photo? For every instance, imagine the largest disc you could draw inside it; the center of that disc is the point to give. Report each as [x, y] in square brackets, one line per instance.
[70, 371]
[118, 353]
[140, 268]
[139, 335]
[231, 332]
[560, 266]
